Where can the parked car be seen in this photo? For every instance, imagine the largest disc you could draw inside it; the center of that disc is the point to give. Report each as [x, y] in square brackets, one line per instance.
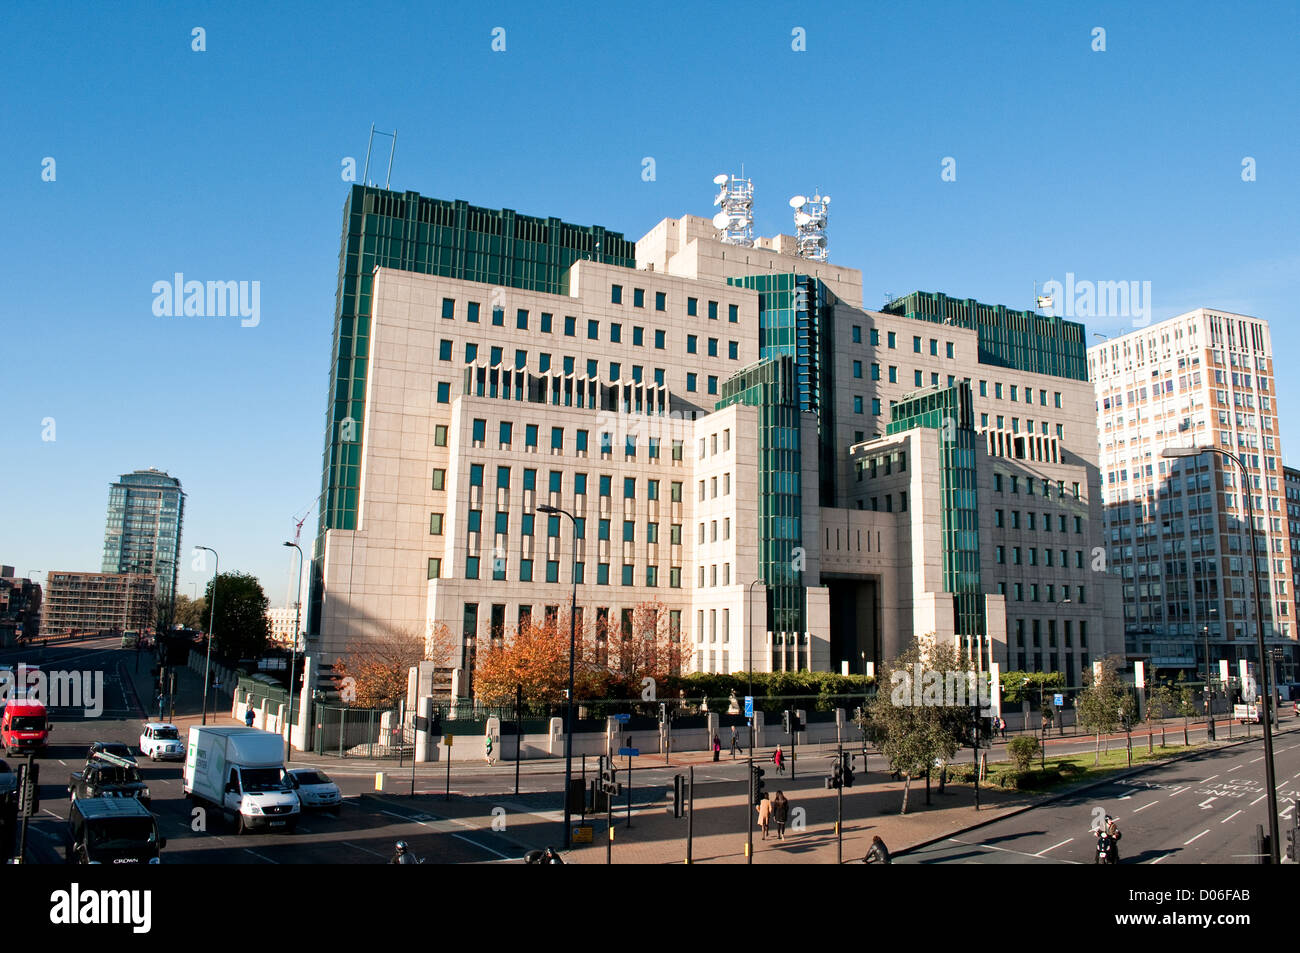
[116, 748]
[161, 740]
[315, 789]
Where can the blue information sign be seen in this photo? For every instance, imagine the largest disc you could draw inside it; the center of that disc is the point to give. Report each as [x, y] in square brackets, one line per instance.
[629, 752]
[749, 706]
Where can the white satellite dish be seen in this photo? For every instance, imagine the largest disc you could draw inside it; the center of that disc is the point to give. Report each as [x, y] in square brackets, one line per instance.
[720, 179]
[797, 201]
[826, 200]
[802, 218]
[720, 221]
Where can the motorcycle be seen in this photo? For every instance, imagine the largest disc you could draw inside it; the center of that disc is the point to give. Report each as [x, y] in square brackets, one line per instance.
[1107, 849]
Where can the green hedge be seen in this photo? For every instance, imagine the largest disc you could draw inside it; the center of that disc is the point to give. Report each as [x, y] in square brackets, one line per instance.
[821, 691]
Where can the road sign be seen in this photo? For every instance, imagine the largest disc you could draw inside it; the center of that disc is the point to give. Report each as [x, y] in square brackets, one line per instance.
[582, 834]
[622, 717]
[749, 706]
[1058, 699]
[628, 752]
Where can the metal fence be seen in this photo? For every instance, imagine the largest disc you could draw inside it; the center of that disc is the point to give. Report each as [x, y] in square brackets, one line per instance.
[343, 732]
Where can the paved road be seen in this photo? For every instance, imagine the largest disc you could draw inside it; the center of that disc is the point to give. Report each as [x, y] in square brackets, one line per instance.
[1201, 810]
[363, 833]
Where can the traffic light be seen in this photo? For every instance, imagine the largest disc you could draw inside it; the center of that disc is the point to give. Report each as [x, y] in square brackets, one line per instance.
[757, 786]
[836, 778]
[785, 721]
[1290, 845]
[663, 713]
[678, 808]
[29, 789]
[846, 771]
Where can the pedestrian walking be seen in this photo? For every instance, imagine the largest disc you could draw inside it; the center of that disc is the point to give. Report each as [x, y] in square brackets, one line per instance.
[878, 853]
[717, 747]
[161, 699]
[780, 812]
[778, 759]
[764, 815]
[733, 744]
[248, 714]
[488, 747]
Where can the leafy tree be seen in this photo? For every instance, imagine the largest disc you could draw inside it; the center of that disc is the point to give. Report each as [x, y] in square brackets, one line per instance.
[191, 613]
[1018, 686]
[1160, 705]
[911, 736]
[1022, 750]
[380, 665]
[1185, 703]
[1100, 704]
[241, 628]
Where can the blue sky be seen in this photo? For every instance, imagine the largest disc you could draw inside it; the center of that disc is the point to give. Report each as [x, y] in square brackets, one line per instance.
[225, 165]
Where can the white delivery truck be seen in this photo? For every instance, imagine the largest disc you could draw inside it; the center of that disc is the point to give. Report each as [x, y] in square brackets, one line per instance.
[240, 771]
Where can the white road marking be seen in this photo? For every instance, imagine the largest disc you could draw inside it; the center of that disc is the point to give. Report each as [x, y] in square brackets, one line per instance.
[1229, 817]
[484, 846]
[1160, 858]
[1236, 766]
[1258, 799]
[259, 856]
[1260, 758]
[1209, 779]
[1144, 807]
[1178, 792]
[359, 847]
[1197, 837]
[1205, 805]
[1053, 847]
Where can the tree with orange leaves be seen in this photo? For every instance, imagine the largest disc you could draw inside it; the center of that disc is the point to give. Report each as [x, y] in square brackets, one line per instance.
[380, 665]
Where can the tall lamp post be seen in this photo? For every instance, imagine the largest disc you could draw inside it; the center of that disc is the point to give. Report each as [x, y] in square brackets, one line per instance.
[573, 638]
[212, 618]
[1209, 670]
[749, 664]
[293, 653]
[1266, 720]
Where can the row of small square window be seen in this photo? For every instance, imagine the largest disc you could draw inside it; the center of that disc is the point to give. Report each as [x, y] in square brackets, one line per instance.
[506, 433]
[498, 568]
[708, 487]
[1018, 593]
[892, 339]
[547, 319]
[1044, 484]
[999, 519]
[496, 354]
[661, 303]
[1031, 557]
[501, 527]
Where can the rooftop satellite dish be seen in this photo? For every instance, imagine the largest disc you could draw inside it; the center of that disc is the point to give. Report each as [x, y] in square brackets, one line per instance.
[720, 179]
[826, 200]
[816, 198]
[802, 218]
[797, 201]
[720, 221]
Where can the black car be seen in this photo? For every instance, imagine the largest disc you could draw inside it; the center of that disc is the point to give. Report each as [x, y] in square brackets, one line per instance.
[107, 775]
[116, 748]
[112, 831]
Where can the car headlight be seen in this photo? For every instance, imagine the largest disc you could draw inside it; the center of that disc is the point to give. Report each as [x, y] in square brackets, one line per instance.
[144, 793]
[154, 860]
[253, 808]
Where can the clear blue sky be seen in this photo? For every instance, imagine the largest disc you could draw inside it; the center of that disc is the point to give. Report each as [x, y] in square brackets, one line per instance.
[225, 164]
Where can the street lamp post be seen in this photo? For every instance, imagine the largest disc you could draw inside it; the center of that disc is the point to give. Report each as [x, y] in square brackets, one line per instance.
[293, 653]
[212, 618]
[1265, 720]
[573, 636]
[749, 665]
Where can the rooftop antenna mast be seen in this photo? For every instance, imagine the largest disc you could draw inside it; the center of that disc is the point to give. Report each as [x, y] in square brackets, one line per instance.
[736, 218]
[365, 175]
[810, 225]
